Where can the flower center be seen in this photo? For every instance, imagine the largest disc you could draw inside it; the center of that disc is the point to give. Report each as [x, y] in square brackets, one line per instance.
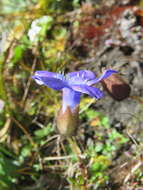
[76, 80]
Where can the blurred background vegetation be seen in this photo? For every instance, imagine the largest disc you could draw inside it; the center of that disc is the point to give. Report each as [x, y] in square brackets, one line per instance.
[33, 36]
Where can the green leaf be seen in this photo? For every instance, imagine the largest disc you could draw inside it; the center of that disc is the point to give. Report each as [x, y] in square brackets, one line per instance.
[99, 147]
[18, 53]
[26, 150]
[105, 122]
[91, 114]
[44, 131]
[7, 172]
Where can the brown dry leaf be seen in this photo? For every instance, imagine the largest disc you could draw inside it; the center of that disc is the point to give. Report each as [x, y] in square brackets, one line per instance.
[95, 122]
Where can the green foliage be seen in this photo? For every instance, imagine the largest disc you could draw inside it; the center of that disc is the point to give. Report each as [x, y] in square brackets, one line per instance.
[18, 53]
[58, 5]
[108, 142]
[8, 170]
[44, 132]
[112, 141]
[39, 28]
[98, 170]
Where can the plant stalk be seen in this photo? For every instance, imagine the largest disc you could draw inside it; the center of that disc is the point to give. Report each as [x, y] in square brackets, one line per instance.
[75, 148]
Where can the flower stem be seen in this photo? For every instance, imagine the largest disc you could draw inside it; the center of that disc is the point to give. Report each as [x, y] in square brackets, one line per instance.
[75, 148]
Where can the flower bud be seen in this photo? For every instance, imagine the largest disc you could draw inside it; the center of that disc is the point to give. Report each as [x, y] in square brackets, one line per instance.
[67, 122]
[116, 87]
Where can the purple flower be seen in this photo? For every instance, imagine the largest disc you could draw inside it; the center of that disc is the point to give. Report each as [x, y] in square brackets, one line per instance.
[72, 84]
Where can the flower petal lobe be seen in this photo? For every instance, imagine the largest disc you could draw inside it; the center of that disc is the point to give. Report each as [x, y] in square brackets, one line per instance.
[106, 74]
[85, 74]
[92, 91]
[54, 83]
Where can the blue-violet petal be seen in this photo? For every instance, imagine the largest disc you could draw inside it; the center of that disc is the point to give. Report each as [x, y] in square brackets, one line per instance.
[84, 74]
[45, 73]
[71, 98]
[92, 91]
[54, 83]
[106, 74]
